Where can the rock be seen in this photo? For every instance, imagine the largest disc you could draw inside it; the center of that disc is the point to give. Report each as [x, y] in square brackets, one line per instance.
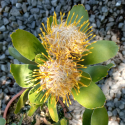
[1, 95]
[1, 22]
[118, 4]
[4, 68]
[120, 25]
[13, 1]
[16, 61]
[114, 112]
[109, 113]
[1, 36]
[87, 7]
[6, 98]
[105, 89]
[54, 3]
[121, 114]
[98, 23]
[2, 57]
[94, 25]
[7, 9]
[121, 106]
[114, 38]
[19, 22]
[110, 24]
[30, 19]
[2, 28]
[123, 52]
[18, 5]
[111, 19]
[26, 15]
[124, 34]
[24, 7]
[5, 21]
[92, 18]
[22, 27]
[104, 9]
[34, 3]
[58, 8]
[82, 1]
[103, 18]
[12, 18]
[14, 24]
[4, 4]
[34, 10]
[14, 12]
[33, 25]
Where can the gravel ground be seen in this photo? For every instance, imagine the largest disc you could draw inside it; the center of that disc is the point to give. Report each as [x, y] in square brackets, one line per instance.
[106, 17]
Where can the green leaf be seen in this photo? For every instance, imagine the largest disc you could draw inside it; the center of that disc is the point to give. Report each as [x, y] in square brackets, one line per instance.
[53, 109]
[20, 123]
[110, 65]
[96, 72]
[2, 121]
[22, 100]
[85, 79]
[13, 52]
[35, 96]
[23, 74]
[63, 121]
[86, 119]
[13, 124]
[102, 51]
[80, 11]
[99, 117]
[33, 108]
[27, 44]
[50, 20]
[90, 97]
[40, 59]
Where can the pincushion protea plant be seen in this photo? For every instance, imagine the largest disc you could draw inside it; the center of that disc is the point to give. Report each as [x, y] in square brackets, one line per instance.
[60, 66]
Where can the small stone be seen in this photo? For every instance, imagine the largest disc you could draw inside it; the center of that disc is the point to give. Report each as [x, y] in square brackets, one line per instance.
[111, 19]
[6, 98]
[123, 52]
[87, 7]
[30, 19]
[19, 22]
[5, 21]
[4, 4]
[82, 1]
[103, 18]
[34, 10]
[18, 5]
[110, 24]
[120, 25]
[109, 113]
[104, 9]
[2, 28]
[94, 25]
[22, 27]
[12, 18]
[14, 12]
[24, 7]
[16, 61]
[33, 25]
[14, 24]
[121, 106]
[1, 36]
[2, 57]
[114, 38]
[58, 8]
[29, 2]
[26, 15]
[98, 23]
[114, 112]
[54, 3]
[34, 3]
[118, 4]
[7, 9]
[1, 95]
[4, 68]
[121, 114]
[13, 2]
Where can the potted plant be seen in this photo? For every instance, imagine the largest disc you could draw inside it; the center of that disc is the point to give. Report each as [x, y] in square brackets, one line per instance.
[63, 65]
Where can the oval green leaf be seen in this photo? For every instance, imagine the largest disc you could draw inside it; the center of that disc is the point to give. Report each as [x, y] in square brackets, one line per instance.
[90, 97]
[63, 121]
[22, 73]
[35, 96]
[99, 117]
[27, 44]
[80, 11]
[96, 72]
[86, 119]
[2, 121]
[102, 51]
[53, 109]
[22, 100]
[13, 52]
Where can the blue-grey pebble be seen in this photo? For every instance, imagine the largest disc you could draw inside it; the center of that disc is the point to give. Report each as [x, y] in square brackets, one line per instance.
[1, 22]
[14, 25]
[18, 5]
[22, 27]
[1, 37]
[13, 1]
[14, 12]
[24, 7]
[5, 21]
[4, 4]
[54, 3]
[87, 7]
[30, 19]
[12, 18]
[2, 28]
[34, 10]
[26, 15]
[34, 3]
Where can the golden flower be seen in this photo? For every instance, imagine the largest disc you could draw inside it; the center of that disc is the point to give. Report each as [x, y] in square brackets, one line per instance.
[66, 40]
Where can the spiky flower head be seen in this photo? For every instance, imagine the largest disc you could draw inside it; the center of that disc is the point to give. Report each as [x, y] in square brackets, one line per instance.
[66, 39]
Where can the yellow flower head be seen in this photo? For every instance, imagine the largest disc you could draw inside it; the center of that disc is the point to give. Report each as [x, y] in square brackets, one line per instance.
[58, 77]
[66, 40]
